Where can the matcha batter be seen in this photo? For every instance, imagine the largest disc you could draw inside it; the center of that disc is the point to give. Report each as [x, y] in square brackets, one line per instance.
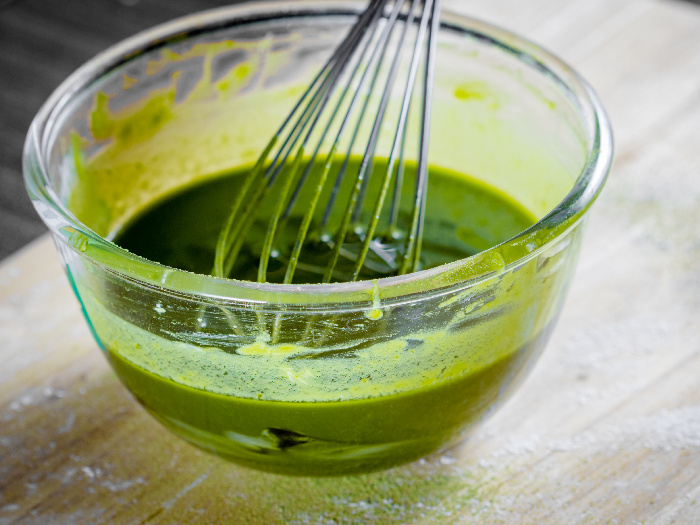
[464, 216]
[328, 403]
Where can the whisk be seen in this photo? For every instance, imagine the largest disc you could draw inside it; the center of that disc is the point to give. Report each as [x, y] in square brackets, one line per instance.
[333, 114]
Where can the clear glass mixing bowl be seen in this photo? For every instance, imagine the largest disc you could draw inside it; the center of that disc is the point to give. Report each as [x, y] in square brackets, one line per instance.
[359, 376]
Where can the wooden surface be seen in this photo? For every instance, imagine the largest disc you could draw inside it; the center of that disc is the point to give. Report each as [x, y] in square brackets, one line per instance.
[605, 430]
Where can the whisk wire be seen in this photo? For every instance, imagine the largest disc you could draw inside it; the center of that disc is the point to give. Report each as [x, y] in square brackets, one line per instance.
[376, 65]
[230, 240]
[398, 142]
[313, 201]
[415, 237]
[321, 101]
[312, 112]
[223, 247]
[398, 183]
[349, 111]
[294, 137]
[368, 158]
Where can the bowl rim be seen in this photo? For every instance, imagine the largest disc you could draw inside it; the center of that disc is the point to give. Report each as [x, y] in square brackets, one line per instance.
[425, 283]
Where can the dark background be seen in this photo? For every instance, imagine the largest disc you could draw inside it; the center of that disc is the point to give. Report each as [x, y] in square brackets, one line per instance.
[41, 43]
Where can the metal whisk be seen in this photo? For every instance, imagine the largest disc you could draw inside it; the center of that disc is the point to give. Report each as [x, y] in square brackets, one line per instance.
[334, 114]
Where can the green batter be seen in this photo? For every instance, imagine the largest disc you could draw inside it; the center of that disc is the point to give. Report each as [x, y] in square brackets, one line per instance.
[336, 403]
[464, 217]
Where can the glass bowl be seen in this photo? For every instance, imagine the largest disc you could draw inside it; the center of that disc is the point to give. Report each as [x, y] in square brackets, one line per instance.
[313, 379]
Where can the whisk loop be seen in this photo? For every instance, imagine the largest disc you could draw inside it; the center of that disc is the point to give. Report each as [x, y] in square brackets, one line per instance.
[336, 245]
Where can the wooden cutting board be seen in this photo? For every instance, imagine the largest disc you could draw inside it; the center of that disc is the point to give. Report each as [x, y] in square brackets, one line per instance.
[605, 430]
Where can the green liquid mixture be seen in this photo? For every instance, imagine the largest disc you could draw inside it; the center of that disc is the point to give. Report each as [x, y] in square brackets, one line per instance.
[463, 217]
[313, 408]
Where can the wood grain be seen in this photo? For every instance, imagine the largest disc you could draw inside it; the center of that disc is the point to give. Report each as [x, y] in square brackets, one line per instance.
[605, 430]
